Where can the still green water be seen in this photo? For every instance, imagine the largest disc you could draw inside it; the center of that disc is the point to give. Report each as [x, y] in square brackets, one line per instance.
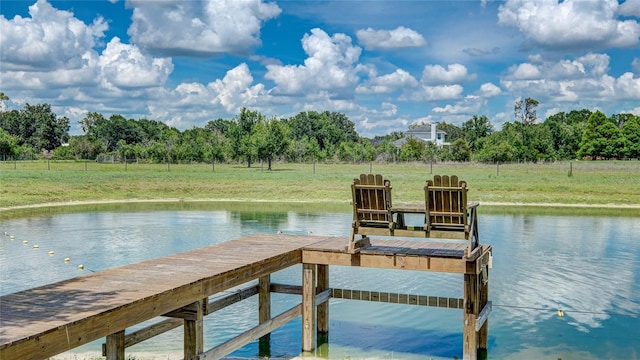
[588, 266]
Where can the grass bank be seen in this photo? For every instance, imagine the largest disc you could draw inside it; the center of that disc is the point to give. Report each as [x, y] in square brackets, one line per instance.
[612, 184]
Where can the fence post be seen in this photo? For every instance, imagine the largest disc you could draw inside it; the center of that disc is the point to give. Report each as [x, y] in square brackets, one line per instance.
[570, 168]
[498, 168]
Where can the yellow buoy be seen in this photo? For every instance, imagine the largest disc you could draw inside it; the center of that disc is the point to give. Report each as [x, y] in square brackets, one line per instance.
[81, 267]
[36, 246]
[25, 242]
[67, 260]
[12, 237]
[51, 252]
[560, 313]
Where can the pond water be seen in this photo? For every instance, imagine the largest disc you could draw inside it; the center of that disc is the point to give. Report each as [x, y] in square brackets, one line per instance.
[587, 266]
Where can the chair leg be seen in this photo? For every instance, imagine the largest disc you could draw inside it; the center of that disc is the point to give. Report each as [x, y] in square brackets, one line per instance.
[351, 246]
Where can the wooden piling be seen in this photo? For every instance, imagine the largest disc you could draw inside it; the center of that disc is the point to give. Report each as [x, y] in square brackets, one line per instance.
[264, 314]
[323, 309]
[308, 307]
[470, 336]
[193, 331]
[115, 346]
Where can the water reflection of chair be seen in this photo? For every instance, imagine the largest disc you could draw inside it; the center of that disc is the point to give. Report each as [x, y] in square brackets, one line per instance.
[371, 209]
[448, 215]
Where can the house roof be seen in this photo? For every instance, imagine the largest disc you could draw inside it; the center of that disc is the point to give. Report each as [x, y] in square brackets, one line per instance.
[422, 129]
[415, 132]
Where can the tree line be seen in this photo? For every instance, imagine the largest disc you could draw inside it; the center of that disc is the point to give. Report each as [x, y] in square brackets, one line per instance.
[35, 131]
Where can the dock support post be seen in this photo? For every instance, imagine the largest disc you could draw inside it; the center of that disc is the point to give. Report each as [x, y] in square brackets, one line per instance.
[483, 335]
[470, 336]
[323, 313]
[308, 307]
[115, 346]
[193, 331]
[264, 314]
[323, 309]
[477, 308]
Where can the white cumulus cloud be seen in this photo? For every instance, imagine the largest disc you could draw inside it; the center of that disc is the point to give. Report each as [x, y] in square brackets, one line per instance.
[329, 66]
[628, 86]
[468, 106]
[49, 39]
[399, 79]
[585, 78]
[438, 75]
[525, 71]
[435, 93]
[630, 8]
[235, 91]
[489, 90]
[571, 23]
[401, 37]
[124, 66]
[205, 28]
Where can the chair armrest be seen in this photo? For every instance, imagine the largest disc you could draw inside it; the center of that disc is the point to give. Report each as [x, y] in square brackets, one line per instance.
[472, 205]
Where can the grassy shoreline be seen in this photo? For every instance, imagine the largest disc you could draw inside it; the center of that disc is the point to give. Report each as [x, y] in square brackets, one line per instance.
[612, 184]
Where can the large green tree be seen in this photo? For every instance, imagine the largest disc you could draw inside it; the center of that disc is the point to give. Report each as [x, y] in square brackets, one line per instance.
[475, 129]
[601, 138]
[631, 133]
[241, 135]
[8, 145]
[271, 139]
[36, 126]
[328, 128]
[460, 150]
[566, 132]
[453, 132]
[110, 131]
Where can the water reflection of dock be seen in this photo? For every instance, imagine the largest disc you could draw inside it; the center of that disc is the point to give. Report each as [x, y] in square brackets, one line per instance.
[46, 321]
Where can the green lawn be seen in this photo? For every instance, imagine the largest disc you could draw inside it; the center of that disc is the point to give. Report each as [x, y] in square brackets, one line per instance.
[599, 183]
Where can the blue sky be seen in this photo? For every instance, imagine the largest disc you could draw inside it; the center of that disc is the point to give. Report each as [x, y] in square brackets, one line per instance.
[386, 64]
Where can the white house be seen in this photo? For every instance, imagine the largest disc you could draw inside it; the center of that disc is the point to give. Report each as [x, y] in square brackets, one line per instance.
[426, 133]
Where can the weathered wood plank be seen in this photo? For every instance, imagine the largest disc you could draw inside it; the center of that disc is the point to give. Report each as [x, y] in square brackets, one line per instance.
[397, 298]
[286, 289]
[252, 334]
[484, 315]
[148, 332]
[239, 295]
[170, 324]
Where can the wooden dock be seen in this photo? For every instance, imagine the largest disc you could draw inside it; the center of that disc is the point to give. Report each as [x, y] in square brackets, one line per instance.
[49, 320]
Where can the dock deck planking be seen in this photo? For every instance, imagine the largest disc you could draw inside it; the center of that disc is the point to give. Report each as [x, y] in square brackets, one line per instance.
[48, 320]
